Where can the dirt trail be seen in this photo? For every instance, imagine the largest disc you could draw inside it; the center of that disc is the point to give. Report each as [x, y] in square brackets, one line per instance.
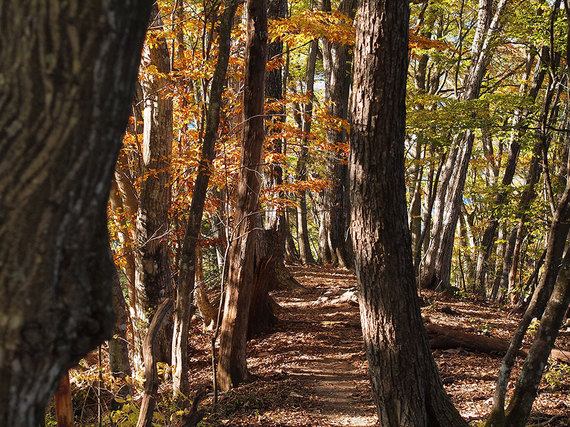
[336, 371]
[310, 370]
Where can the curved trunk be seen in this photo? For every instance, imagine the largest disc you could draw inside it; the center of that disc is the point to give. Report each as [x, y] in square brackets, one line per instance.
[64, 108]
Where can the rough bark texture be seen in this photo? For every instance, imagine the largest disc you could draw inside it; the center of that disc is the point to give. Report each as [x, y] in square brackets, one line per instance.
[67, 79]
[232, 366]
[185, 286]
[406, 384]
[152, 254]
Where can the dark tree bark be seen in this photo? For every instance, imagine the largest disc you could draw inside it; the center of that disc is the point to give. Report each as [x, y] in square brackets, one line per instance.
[275, 215]
[406, 384]
[232, 365]
[185, 286]
[67, 80]
[118, 344]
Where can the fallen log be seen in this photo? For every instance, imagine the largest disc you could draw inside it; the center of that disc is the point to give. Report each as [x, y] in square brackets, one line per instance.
[442, 337]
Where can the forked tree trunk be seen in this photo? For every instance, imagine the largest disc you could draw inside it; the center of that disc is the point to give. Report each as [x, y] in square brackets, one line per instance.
[436, 268]
[64, 106]
[152, 253]
[405, 381]
[232, 365]
[186, 276]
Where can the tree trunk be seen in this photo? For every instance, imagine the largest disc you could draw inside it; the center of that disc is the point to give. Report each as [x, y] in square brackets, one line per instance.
[159, 319]
[334, 244]
[187, 266]
[533, 367]
[118, 344]
[302, 227]
[436, 268]
[512, 160]
[406, 384]
[67, 81]
[152, 254]
[555, 249]
[534, 172]
[232, 365]
[275, 215]
[63, 404]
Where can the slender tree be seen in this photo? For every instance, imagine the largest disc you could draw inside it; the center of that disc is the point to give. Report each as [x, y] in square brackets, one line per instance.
[232, 366]
[186, 275]
[306, 119]
[436, 269]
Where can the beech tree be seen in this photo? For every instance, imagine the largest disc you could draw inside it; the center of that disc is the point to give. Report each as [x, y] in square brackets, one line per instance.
[436, 268]
[405, 380]
[67, 80]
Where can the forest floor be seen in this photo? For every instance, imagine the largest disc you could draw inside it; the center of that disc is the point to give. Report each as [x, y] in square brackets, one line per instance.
[311, 370]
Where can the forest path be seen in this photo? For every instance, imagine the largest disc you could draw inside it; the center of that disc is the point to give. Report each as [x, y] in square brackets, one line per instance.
[310, 370]
[334, 369]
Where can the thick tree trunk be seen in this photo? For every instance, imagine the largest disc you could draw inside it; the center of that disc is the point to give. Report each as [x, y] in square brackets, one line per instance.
[436, 268]
[186, 276]
[152, 254]
[302, 225]
[64, 107]
[232, 365]
[406, 384]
